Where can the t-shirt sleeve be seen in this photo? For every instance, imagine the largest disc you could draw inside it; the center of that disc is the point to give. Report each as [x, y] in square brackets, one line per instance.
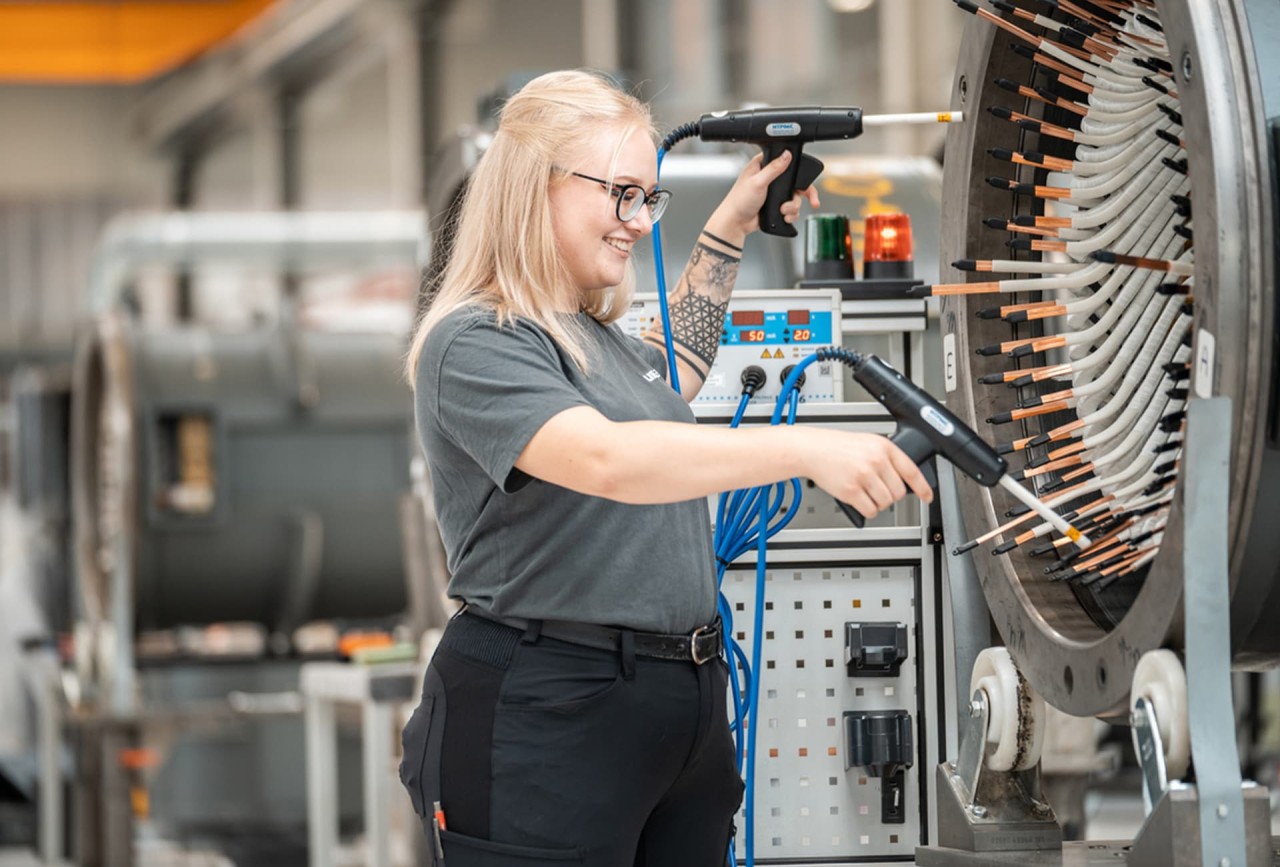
[654, 355]
[490, 388]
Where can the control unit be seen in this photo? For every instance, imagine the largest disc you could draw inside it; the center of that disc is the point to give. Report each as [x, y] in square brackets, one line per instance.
[771, 329]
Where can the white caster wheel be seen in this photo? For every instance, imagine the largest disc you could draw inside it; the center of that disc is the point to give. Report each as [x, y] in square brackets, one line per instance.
[1161, 680]
[1015, 712]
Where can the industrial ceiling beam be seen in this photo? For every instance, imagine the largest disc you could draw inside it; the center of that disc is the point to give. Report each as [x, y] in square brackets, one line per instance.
[296, 43]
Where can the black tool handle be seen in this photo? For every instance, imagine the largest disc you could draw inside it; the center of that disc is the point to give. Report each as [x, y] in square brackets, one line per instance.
[917, 447]
[802, 172]
[911, 405]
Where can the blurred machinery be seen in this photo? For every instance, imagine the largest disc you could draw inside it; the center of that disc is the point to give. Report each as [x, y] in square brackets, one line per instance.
[41, 401]
[240, 498]
[1129, 363]
[251, 477]
[35, 554]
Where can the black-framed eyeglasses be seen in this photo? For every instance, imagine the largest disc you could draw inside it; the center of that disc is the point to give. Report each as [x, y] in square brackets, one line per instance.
[630, 198]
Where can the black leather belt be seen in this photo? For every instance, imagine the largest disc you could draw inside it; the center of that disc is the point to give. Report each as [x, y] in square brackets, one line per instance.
[699, 646]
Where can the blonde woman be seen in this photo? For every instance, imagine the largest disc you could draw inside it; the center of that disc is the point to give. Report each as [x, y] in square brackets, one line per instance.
[575, 711]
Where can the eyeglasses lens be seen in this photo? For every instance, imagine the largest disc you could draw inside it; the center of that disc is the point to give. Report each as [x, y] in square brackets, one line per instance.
[632, 198]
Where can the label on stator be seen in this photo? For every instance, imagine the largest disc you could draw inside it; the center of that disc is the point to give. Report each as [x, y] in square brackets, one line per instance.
[771, 329]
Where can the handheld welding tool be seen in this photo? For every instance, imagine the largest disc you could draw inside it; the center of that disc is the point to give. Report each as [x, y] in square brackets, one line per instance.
[788, 129]
[777, 130]
[927, 428]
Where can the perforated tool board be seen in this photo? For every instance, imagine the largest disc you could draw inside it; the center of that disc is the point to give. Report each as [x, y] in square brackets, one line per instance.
[811, 808]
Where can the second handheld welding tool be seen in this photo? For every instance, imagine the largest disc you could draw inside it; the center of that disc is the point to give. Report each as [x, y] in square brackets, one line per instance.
[927, 428]
[777, 130]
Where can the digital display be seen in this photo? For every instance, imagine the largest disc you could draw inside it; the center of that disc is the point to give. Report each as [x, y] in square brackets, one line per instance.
[753, 336]
[747, 317]
[797, 317]
[801, 335]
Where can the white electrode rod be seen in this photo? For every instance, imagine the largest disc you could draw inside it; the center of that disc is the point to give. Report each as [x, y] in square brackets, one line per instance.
[1054, 519]
[913, 117]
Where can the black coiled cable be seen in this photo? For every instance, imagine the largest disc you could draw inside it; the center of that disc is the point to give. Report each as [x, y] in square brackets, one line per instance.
[847, 357]
[680, 133]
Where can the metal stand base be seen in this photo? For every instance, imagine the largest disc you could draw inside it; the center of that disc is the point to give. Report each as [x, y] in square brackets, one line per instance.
[1006, 813]
[1170, 837]
[980, 810]
[1076, 854]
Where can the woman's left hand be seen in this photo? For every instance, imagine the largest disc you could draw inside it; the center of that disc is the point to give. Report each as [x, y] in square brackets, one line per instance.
[739, 213]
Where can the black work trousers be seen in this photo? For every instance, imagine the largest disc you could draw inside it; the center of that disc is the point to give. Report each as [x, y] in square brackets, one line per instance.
[541, 751]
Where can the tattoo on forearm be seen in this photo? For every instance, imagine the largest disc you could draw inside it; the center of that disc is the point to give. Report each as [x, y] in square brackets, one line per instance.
[696, 323]
[712, 271]
[698, 304]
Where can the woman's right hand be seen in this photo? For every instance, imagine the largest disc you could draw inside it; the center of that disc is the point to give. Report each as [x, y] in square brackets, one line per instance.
[641, 462]
[867, 471]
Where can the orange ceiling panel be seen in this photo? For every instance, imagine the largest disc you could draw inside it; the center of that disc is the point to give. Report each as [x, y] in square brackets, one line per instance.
[119, 42]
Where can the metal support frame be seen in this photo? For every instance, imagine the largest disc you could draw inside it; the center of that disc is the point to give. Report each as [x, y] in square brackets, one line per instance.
[1150, 749]
[48, 748]
[971, 622]
[104, 818]
[322, 781]
[1210, 817]
[1207, 609]
[1172, 835]
[377, 690]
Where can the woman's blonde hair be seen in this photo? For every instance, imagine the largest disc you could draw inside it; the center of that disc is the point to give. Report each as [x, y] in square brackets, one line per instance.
[504, 252]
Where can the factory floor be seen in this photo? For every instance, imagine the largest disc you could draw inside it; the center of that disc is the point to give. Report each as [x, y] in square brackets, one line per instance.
[18, 858]
[1111, 816]
[11, 858]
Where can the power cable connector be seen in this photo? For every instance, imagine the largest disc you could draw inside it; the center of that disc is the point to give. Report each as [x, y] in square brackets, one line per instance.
[753, 379]
[786, 372]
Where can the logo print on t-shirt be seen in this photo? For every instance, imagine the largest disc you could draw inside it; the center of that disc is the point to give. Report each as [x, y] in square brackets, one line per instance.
[652, 375]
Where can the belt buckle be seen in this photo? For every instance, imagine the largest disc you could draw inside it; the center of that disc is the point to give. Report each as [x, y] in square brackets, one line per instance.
[700, 632]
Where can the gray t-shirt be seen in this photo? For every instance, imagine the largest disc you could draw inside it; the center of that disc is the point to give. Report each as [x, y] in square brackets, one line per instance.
[521, 547]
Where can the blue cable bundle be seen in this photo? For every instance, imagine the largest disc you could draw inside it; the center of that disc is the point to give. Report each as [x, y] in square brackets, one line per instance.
[747, 519]
[737, 533]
